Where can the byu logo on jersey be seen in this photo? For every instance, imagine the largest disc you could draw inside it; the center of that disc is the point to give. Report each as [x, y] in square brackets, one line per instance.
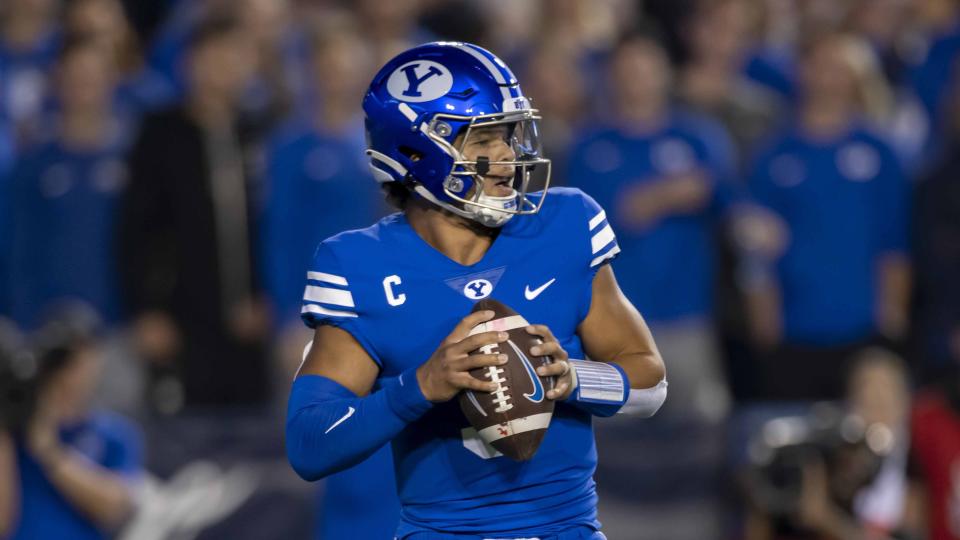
[420, 80]
[477, 289]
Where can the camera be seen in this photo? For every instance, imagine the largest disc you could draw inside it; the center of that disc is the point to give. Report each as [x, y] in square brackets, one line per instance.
[850, 450]
[26, 366]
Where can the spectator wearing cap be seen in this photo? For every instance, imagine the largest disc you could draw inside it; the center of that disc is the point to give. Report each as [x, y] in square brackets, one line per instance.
[844, 277]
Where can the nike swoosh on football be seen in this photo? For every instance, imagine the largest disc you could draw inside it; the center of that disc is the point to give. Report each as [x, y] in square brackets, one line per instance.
[350, 411]
[530, 295]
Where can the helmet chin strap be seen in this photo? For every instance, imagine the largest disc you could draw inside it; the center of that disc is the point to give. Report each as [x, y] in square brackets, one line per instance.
[487, 217]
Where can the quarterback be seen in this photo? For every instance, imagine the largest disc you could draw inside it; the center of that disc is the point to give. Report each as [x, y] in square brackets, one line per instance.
[454, 143]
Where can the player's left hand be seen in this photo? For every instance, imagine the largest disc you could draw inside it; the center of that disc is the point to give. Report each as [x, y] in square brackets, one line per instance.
[560, 368]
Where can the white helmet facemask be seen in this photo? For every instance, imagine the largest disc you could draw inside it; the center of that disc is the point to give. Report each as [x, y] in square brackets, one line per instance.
[490, 210]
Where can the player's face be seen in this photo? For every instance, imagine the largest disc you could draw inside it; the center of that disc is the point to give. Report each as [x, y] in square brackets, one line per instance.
[494, 143]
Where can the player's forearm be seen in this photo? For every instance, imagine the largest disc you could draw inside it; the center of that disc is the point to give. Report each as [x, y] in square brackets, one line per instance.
[8, 484]
[330, 429]
[96, 492]
[605, 389]
[643, 369]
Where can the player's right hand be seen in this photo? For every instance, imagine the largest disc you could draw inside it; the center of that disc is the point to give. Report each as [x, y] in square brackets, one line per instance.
[447, 372]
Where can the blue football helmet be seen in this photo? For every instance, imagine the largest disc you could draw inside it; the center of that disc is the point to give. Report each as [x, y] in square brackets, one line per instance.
[422, 100]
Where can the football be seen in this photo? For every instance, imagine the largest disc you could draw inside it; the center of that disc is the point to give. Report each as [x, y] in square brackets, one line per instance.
[514, 418]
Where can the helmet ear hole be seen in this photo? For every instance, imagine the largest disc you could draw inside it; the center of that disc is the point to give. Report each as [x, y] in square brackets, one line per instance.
[412, 154]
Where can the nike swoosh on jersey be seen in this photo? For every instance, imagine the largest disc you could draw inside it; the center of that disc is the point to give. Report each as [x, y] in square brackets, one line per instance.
[530, 295]
[350, 411]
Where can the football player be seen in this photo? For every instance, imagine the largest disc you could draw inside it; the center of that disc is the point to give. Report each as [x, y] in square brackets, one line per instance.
[455, 144]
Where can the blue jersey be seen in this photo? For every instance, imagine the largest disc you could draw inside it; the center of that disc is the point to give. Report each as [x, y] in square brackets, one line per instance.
[23, 76]
[845, 204]
[61, 247]
[345, 509]
[105, 439]
[667, 270]
[399, 298]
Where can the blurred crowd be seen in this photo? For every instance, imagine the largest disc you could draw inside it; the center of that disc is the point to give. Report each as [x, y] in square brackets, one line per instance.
[783, 177]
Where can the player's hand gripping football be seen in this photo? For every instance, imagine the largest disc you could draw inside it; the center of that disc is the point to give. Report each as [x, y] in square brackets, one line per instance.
[447, 372]
[560, 368]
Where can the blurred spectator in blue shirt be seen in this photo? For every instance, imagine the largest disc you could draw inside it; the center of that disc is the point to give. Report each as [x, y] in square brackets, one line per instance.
[29, 40]
[554, 79]
[140, 88]
[66, 471]
[319, 185]
[844, 277]
[712, 80]
[64, 195]
[771, 61]
[662, 174]
[319, 182]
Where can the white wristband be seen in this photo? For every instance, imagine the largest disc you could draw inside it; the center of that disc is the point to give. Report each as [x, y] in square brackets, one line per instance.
[645, 402]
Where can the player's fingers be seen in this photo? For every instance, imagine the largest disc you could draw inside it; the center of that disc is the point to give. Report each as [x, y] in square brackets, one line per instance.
[469, 382]
[476, 341]
[554, 369]
[474, 361]
[549, 348]
[559, 391]
[541, 330]
[462, 329]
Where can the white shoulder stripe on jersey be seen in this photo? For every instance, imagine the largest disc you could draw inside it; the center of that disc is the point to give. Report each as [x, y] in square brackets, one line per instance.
[600, 239]
[608, 255]
[325, 295]
[320, 310]
[327, 278]
[598, 219]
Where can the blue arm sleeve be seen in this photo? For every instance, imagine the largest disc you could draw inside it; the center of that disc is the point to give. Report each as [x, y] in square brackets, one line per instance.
[330, 429]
